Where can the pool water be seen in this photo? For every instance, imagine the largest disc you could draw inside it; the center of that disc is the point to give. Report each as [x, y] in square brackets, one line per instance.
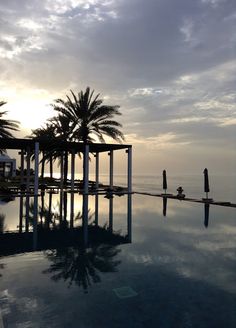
[178, 271]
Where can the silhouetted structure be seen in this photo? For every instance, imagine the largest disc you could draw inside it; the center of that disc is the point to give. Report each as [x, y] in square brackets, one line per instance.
[32, 148]
[206, 214]
[164, 180]
[206, 182]
[164, 199]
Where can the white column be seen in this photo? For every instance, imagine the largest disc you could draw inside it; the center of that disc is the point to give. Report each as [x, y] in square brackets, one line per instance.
[36, 187]
[85, 194]
[61, 186]
[129, 178]
[27, 189]
[72, 196]
[28, 169]
[86, 169]
[72, 170]
[97, 170]
[97, 186]
[111, 154]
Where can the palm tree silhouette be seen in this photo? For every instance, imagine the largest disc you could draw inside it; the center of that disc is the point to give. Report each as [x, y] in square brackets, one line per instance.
[82, 266]
[2, 225]
[46, 133]
[62, 126]
[88, 117]
[6, 125]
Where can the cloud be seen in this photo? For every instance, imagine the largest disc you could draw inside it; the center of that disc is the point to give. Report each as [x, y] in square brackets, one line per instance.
[161, 141]
[170, 65]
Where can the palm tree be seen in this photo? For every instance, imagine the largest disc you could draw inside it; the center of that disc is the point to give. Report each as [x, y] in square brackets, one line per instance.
[89, 117]
[46, 133]
[62, 127]
[6, 125]
[2, 225]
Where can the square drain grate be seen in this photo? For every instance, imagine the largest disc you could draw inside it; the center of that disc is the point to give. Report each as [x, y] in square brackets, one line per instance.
[125, 292]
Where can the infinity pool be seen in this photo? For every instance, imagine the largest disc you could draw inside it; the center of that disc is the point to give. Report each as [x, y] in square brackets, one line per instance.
[178, 271]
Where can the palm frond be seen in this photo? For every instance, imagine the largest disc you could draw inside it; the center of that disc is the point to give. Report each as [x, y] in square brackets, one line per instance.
[6, 125]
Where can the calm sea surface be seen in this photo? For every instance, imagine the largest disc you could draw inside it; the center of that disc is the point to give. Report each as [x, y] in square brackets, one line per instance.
[178, 271]
[222, 188]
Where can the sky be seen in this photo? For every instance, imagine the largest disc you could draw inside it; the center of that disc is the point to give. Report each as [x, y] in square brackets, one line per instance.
[169, 64]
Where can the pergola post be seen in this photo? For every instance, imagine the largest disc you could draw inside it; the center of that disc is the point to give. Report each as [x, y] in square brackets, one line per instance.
[72, 196]
[111, 154]
[36, 188]
[22, 166]
[27, 189]
[72, 170]
[61, 185]
[129, 176]
[85, 193]
[28, 169]
[97, 170]
[97, 186]
[129, 197]
[21, 214]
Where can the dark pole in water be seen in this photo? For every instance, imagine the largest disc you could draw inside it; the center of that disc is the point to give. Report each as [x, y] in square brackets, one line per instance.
[164, 181]
[164, 205]
[206, 214]
[206, 182]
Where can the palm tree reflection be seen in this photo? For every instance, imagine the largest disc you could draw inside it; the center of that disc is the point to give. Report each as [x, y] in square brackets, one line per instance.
[81, 266]
[2, 266]
[2, 225]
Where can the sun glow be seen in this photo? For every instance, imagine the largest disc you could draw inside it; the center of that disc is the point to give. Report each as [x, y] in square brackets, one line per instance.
[31, 107]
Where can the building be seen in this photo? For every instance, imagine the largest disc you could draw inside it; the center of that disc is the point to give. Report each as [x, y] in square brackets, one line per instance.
[7, 166]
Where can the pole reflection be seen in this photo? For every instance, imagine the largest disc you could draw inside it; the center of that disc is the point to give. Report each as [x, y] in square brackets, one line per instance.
[206, 214]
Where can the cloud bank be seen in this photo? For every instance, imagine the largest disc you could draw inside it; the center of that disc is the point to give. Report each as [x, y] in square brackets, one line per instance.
[169, 64]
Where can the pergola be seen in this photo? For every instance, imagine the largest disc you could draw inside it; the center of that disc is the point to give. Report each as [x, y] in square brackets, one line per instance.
[30, 147]
[34, 146]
